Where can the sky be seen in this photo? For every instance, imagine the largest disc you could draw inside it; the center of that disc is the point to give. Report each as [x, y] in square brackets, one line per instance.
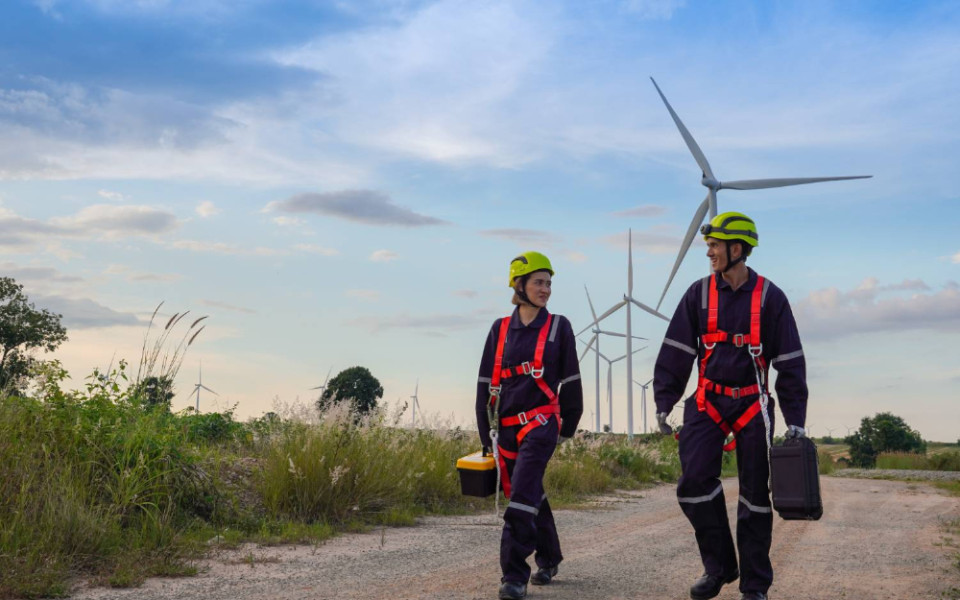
[345, 183]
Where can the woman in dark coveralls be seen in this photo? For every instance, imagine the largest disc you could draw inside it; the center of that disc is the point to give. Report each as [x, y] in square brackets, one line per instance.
[530, 380]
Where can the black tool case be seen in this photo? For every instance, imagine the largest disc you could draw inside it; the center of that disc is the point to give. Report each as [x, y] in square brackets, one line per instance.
[795, 475]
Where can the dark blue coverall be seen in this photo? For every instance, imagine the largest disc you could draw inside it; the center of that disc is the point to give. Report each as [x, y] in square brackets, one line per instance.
[528, 521]
[701, 440]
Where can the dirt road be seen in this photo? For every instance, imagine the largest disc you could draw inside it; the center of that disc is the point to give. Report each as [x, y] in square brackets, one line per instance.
[877, 540]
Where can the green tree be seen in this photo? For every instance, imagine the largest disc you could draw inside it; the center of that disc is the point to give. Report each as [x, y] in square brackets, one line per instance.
[356, 385]
[154, 391]
[885, 432]
[23, 328]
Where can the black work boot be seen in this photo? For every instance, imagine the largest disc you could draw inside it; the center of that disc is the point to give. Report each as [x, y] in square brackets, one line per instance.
[753, 596]
[511, 590]
[543, 576]
[708, 586]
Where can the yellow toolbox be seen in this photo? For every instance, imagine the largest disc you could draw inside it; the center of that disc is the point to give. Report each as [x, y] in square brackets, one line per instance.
[478, 475]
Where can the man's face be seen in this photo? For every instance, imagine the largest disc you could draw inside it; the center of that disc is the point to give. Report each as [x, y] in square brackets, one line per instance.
[538, 288]
[717, 253]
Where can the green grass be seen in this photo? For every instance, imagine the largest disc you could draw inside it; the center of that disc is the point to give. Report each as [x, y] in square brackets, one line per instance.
[94, 485]
[941, 460]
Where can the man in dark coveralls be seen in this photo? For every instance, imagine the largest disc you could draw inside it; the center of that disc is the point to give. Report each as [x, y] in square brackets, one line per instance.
[530, 363]
[736, 324]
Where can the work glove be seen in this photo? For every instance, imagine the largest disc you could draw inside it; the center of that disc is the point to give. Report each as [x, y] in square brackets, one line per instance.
[794, 432]
[562, 440]
[665, 427]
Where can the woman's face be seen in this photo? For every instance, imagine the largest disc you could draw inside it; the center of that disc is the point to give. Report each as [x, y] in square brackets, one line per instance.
[538, 288]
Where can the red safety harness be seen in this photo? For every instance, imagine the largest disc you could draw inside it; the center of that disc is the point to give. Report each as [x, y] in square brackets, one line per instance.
[534, 417]
[751, 340]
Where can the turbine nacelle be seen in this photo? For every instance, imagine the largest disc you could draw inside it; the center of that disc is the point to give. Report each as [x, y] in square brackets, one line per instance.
[710, 182]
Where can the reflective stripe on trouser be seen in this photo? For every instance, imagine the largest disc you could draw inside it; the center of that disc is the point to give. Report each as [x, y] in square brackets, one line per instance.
[528, 525]
[701, 497]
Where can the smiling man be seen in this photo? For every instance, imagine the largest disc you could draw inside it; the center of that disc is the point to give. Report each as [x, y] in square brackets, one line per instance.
[736, 324]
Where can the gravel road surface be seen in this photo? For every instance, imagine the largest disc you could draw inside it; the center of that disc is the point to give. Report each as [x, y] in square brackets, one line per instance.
[877, 540]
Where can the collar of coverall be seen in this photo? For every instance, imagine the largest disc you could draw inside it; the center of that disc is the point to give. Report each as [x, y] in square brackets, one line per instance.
[537, 323]
[748, 285]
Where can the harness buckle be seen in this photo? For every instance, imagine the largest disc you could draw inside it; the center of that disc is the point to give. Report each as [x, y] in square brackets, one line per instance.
[755, 351]
[709, 346]
[526, 366]
[541, 419]
[495, 390]
[735, 393]
[537, 373]
[738, 340]
[522, 417]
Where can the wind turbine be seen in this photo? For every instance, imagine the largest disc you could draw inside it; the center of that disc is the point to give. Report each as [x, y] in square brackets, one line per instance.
[199, 386]
[596, 340]
[713, 185]
[609, 362]
[416, 403]
[323, 387]
[643, 400]
[627, 301]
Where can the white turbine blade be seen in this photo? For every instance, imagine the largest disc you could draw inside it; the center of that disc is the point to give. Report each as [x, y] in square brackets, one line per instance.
[622, 335]
[691, 143]
[762, 184]
[590, 302]
[609, 312]
[208, 389]
[416, 388]
[589, 346]
[648, 382]
[687, 240]
[653, 312]
[630, 262]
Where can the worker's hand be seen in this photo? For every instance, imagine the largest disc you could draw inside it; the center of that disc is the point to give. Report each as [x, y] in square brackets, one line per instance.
[562, 440]
[665, 427]
[794, 432]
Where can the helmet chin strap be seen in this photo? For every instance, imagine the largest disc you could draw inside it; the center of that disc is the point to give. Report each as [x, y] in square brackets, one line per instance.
[733, 263]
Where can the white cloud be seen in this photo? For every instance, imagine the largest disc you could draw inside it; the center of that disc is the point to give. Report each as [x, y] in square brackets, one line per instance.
[659, 239]
[647, 210]
[227, 306]
[830, 313]
[225, 248]
[361, 206]
[112, 196]
[84, 313]
[288, 221]
[207, 209]
[524, 237]
[955, 259]
[383, 256]
[575, 256]
[113, 221]
[131, 275]
[465, 293]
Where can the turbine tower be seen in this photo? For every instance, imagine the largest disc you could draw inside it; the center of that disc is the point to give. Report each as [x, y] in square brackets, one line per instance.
[199, 386]
[713, 185]
[627, 301]
[597, 332]
[416, 404]
[609, 362]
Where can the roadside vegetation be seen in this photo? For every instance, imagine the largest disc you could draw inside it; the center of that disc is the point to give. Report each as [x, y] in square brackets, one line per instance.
[102, 484]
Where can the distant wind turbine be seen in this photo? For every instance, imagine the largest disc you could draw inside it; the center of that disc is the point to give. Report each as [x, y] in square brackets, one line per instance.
[713, 185]
[323, 387]
[643, 401]
[610, 362]
[595, 342]
[416, 403]
[199, 386]
[627, 301]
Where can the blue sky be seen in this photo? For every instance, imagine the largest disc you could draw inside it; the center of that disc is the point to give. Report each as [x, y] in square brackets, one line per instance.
[341, 183]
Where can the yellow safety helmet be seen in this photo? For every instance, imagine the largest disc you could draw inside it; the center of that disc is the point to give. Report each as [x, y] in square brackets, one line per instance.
[526, 263]
[732, 226]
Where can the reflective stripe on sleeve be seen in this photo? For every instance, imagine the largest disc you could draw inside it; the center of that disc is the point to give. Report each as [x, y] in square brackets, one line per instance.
[484, 380]
[553, 330]
[699, 499]
[569, 379]
[523, 507]
[787, 356]
[754, 507]
[679, 346]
